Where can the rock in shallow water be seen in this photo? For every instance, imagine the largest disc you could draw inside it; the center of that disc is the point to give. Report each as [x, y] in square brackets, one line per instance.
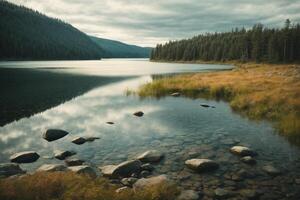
[74, 162]
[242, 151]
[248, 160]
[151, 156]
[124, 169]
[84, 169]
[175, 94]
[52, 168]
[138, 113]
[144, 183]
[79, 140]
[188, 195]
[10, 169]
[61, 155]
[54, 134]
[271, 170]
[201, 165]
[24, 157]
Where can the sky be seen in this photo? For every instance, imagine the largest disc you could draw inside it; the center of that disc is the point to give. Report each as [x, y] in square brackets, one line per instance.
[148, 22]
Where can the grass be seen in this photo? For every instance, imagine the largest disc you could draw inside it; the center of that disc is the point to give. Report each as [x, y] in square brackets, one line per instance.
[70, 186]
[258, 91]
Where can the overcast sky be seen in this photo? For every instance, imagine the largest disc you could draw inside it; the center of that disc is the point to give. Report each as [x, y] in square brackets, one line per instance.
[148, 22]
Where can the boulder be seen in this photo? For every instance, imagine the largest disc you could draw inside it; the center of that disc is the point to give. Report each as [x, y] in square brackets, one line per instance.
[138, 113]
[74, 162]
[128, 181]
[54, 134]
[84, 169]
[175, 94]
[24, 157]
[10, 169]
[248, 160]
[124, 169]
[188, 195]
[52, 168]
[61, 155]
[144, 183]
[79, 140]
[242, 151]
[271, 170]
[150, 156]
[148, 167]
[201, 165]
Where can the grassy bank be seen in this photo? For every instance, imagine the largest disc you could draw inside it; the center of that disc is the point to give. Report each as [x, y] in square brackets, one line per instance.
[70, 186]
[258, 91]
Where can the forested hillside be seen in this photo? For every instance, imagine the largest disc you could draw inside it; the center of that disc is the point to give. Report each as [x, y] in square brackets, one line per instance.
[116, 49]
[258, 44]
[28, 35]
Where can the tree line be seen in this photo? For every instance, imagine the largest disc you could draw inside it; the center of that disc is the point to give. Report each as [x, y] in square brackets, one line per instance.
[259, 44]
[29, 35]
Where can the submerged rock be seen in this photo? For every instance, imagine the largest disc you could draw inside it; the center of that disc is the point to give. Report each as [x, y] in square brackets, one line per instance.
[175, 94]
[248, 160]
[124, 169]
[223, 193]
[84, 169]
[188, 195]
[74, 162]
[271, 170]
[242, 151]
[111, 123]
[79, 140]
[10, 169]
[151, 156]
[138, 113]
[205, 105]
[61, 155]
[54, 134]
[24, 157]
[144, 183]
[52, 168]
[201, 165]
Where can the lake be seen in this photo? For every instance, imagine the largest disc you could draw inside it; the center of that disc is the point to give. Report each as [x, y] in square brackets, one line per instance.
[179, 127]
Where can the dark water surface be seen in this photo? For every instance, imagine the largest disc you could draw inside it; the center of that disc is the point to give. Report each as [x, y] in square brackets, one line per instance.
[179, 127]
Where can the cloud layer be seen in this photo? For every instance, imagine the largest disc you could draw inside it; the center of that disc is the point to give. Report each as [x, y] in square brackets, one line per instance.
[147, 23]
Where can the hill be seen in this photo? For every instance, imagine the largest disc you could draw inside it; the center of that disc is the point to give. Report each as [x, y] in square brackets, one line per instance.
[116, 49]
[29, 35]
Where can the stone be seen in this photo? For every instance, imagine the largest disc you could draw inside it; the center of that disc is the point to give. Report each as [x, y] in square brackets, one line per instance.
[205, 105]
[242, 151]
[138, 113]
[175, 94]
[52, 168]
[61, 155]
[91, 139]
[10, 169]
[24, 157]
[128, 181]
[201, 165]
[271, 170]
[248, 193]
[79, 140]
[84, 169]
[74, 162]
[188, 195]
[144, 183]
[123, 189]
[145, 173]
[124, 169]
[54, 134]
[111, 123]
[151, 156]
[148, 167]
[248, 160]
[222, 193]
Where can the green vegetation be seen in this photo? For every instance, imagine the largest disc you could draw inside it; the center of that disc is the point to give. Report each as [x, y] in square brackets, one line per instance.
[258, 44]
[258, 91]
[28, 35]
[116, 49]
[69, 186]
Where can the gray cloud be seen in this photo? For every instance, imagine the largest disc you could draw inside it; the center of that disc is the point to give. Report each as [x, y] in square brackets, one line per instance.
[149, 22]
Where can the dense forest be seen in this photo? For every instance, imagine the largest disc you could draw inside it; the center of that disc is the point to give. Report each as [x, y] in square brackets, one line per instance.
[116, 49]
[259, 44]
[28, 35]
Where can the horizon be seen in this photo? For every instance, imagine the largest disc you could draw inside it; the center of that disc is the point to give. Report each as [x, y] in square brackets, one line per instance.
[159, 22]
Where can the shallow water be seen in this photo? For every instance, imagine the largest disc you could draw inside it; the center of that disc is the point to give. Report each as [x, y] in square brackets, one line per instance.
[179, 127]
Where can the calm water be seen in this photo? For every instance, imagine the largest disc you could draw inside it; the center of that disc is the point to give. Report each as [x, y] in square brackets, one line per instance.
[179, 127]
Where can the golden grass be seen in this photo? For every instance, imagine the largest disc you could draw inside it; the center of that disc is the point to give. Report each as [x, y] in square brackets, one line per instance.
[259, 91]
[70, 186]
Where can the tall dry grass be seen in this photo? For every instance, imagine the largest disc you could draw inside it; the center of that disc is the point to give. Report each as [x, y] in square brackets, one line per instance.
[258, 91]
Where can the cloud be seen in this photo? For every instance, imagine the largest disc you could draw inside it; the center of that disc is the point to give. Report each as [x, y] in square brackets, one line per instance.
[149, 22]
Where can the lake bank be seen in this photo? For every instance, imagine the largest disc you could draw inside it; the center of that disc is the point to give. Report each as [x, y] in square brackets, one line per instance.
[258, 91]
